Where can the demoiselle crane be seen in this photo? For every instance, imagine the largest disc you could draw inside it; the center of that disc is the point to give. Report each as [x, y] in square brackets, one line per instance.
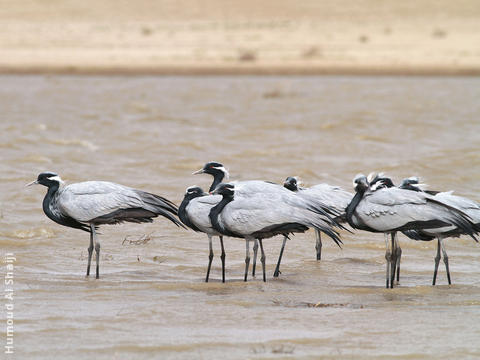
[467, 206]
[219, 173]
[256, 214]
[86, 205]
[332, 196]
[194, 211]
[391, 209]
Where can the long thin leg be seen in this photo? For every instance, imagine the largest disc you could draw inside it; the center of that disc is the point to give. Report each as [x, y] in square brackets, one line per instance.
[255, 251]
[97, 252]
[90, 250]
[210, 257]
[262, 259]
[318, 244]
[437, 261]
[223, 258]
[277, 268]
[247, 258]
[398, 251]
[388, 256]
[445, 260]
[393, 262]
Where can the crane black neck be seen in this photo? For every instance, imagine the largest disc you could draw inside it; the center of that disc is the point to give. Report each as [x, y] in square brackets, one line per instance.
[182, 210]
[48, 199]
[353, 205]
[215, 212]
[218, 177]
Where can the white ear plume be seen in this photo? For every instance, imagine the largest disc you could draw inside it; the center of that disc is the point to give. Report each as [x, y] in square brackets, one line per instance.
[56, 178]
[372, 176]
[190, 188]
[225, 171]
[422, 187]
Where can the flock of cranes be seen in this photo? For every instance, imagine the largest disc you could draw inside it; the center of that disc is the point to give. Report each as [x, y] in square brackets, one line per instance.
[255, 210]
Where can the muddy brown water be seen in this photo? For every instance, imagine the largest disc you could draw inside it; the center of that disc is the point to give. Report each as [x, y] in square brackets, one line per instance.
[152, 133]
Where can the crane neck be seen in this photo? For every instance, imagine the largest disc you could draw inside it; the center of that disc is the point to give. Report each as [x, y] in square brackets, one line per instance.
[352, 206]
[218, 177]
[49, 199]
[215, 212]
[182, 211]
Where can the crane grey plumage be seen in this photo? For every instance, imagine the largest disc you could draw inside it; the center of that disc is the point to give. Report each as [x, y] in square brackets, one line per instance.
[259, 215]
[467, 206]
[389, 210]
[334, 197]
[109, 203]
[248, 187]
[87, 205]
[194, 211]
[220, 173]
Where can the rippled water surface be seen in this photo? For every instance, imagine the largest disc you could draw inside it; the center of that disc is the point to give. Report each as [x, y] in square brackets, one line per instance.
[152, 133]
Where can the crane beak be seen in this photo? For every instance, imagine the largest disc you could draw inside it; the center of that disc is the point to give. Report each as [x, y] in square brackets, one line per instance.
[32, 183]
[198, 172]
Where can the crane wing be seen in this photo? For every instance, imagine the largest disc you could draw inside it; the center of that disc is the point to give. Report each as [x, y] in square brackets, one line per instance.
[91, 199]
[332, 196]
[198, 210]
[111, 203]
[397, 209]
[266, 214]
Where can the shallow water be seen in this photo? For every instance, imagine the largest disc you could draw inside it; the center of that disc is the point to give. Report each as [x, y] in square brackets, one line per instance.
[152, 133]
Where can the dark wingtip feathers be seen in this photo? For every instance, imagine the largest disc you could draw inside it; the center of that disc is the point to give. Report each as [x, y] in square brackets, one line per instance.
[159, 205]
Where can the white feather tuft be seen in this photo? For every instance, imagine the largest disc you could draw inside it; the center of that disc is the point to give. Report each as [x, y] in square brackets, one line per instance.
[371, 176]
[190, 188]
[422, 187]
[56, 178]
[225, 171]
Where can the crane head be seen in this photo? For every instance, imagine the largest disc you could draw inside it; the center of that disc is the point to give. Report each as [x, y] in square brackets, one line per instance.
[213, 168]
[226, 190]
[291, 183]
[360, 183]
[47, 179]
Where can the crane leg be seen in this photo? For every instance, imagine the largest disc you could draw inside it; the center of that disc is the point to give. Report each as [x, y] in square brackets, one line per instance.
[393, 261]
[398, 251]
[247, 258]
[277, 268]
[222, 257]
[262, 260]
[388, 257]
[445, 260]
[90, 251]
[210, 257]
[437, 261]
[255, 251]
[97, 253]
[318, 244]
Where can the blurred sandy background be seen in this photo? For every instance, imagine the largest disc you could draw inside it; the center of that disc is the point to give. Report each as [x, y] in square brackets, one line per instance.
[248, 36]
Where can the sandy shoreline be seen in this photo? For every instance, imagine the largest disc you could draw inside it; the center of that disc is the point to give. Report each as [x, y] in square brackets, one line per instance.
[226, 38]
[165, 70]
